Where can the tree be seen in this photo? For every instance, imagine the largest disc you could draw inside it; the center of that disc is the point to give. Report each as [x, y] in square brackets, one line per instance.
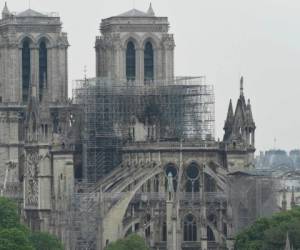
[9, 217]
[270, 233]
[45, 241]
[132, 242]
[15, 236]
[15, 239]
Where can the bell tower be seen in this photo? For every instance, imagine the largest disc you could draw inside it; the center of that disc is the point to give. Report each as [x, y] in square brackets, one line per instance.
[33, 50]
[135, 46]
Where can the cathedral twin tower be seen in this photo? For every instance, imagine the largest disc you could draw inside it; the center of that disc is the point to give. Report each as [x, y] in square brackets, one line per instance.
[135, 46]
[33, 57]
[34, 53]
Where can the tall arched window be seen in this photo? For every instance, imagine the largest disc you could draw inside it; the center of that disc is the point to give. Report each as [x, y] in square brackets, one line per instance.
[148, 62]
[42, 68]
[190, 228]
[210, 184]
[164, 232]
[210, 234]
[25, 69]
[192, 175]
[130, 62]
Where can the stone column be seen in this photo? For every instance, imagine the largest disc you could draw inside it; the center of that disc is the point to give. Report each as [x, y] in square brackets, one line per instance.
[20, 74]
[171, 63]
[61, 95]
[118, 60]
[55, 74]
[168, 45]
[49, 71]
[253, 138]
[123, 64]
[5, 95]
[34, 57]
[14, 67]
[220, 221]
[158, 64]
[169, 221]
[66, 73]
[248, 136]
[139, 66]
[203, 224]
[162, 183]
[230, 233]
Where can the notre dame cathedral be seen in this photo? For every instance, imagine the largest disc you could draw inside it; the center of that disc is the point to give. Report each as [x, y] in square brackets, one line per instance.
[133, 151]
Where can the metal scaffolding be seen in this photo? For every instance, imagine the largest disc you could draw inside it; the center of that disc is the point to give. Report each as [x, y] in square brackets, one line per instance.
[84, 217]
[252, 195]
[116, 113]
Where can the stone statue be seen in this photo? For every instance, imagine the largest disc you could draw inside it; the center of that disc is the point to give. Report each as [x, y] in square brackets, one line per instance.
[170, 183]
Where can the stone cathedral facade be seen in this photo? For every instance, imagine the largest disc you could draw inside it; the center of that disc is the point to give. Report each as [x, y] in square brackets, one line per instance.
[182, 181]
[35, 154]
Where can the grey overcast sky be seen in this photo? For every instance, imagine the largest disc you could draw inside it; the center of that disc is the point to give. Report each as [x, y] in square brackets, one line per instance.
[259, 39]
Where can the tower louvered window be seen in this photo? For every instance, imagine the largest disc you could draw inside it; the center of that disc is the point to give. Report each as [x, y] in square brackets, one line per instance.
[42, 68]
[130, 62]
[25, 70]
[148, 62]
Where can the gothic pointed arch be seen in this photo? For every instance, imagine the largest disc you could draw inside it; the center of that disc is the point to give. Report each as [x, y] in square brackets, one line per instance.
[131, 37]
[150, 37]
[45, 37]
[26, 36]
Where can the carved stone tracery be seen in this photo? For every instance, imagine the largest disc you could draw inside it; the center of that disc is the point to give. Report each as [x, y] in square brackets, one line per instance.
[31, 171]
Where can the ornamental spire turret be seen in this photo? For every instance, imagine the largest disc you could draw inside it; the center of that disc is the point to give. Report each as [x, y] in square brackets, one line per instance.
[230, 116]
[5, 11]
[239, 125]
[242, 86]
[150, 11]
[228, 126]
[249, 114]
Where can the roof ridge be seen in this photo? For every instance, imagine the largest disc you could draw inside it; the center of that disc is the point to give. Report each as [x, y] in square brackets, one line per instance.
[30, 12]
[134, 13]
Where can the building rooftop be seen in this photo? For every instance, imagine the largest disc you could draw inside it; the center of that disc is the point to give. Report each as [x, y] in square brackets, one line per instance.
[133, 13]
[30, 13]
[138, 13]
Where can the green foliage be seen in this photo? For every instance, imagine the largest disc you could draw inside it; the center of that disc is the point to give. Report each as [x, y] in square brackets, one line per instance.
[45, 241]
[15, 236]
[132, 242]
[14, 239]
[266, 234]
[9, 217]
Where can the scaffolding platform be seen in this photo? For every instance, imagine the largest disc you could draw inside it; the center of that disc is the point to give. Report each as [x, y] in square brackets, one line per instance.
[113, 112]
